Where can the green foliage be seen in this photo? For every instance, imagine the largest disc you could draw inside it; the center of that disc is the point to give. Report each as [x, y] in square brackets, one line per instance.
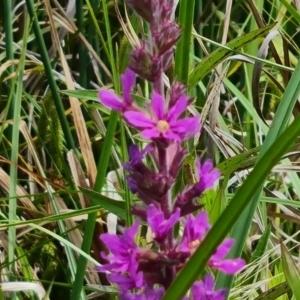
[49, 130]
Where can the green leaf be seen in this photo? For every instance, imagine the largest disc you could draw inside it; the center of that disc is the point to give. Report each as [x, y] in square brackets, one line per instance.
[113, 206]
[82, 94]
[239, 162]
[262, 244]
[291, 271]
[182, 62]
[274, 292]
[217, 56]
[196, 264]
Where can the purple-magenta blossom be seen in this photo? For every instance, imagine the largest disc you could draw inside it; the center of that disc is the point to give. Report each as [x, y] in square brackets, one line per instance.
[195, 230]
[205, 290]
[229, 266]
[146, 65]
[113, 101]
[207, 175]
[165, 37]
[136, 156]
[160, 226]
[126, 281]
[164, 124]
[123, 259]
[146, 294]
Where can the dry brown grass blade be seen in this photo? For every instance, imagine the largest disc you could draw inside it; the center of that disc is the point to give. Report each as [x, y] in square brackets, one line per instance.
[213, 96]
[74, 235]
[18, 286]
[81, 130]
[9, 63]
[214, 109]
[30, 211]
[261, 23]
[78, 177]
[76, 238]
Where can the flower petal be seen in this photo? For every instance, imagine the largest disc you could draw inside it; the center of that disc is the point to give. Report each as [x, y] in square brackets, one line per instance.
[128, 81]
[157, 104]
[150, 133]
[223, 249]
[171, 135]
[111, 100]
[187, 125]
[229, 266]
[177, 109]
[138, 119]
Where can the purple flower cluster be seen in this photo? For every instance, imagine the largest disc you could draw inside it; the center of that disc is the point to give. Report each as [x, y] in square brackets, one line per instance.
[146, 272]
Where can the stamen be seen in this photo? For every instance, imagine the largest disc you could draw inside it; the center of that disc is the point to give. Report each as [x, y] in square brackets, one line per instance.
[162, 126]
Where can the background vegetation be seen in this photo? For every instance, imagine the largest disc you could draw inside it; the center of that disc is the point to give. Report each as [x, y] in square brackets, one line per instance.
[59, 147]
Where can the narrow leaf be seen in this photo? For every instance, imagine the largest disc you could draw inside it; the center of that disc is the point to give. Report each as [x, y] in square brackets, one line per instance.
[291, 271]
[217, 56]
[113, 206]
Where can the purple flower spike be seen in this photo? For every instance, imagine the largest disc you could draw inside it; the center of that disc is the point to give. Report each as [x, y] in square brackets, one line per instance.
[204, 290]
[159, 225]
[113, 101]
[229, 266]
[164, 125]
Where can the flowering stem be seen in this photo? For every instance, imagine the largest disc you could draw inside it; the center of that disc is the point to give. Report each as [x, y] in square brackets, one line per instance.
[163, 169]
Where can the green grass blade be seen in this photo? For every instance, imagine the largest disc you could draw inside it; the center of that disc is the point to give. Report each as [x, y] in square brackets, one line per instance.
[182, 62]
[217, 56]
[9, 46]
[275, 292]
[50, 77]
[13, 173]
[280, 122]
[291, 271]
[244, 194]
[113, 206]
[102, 165]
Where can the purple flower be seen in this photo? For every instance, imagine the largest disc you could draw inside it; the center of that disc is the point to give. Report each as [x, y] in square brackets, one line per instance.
[229, 266]
[204, 290]
[136, 157]
[207, 176]
[123, 259]
[195, 230]
[164, 125]
[141, 7]
[146, 294]
[113, 101]
[177, 89]
[159, 225]
[166, 37]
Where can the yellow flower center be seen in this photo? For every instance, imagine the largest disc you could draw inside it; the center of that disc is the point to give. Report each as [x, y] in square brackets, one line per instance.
[162, 126]
[194, 245]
